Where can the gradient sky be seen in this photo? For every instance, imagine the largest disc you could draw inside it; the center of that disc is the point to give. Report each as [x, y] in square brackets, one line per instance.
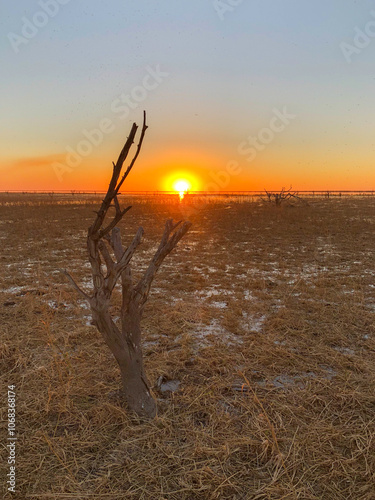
[225, 79]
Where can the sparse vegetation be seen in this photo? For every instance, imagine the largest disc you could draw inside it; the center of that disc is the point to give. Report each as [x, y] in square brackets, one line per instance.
[267, 332]
[285, 195]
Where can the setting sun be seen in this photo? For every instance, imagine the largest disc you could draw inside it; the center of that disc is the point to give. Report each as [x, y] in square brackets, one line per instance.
[181, 181]
[182, 186]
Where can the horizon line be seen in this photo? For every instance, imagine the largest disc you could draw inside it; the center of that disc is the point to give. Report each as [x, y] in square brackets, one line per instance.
[170, 192]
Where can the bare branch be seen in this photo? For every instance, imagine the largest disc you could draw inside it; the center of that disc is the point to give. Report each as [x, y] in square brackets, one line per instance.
[126, 275]
[176, 225]
[123, 155]
[144, 128]
[106, 256]
[79, 290]
[124, 261]
[168, 243]
[115, 242]
[113, 187]
[114, 222]
[117, 205]
[129, 252]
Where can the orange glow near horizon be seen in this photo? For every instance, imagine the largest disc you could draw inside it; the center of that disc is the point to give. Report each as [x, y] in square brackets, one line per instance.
[201, 170]
[160, 168]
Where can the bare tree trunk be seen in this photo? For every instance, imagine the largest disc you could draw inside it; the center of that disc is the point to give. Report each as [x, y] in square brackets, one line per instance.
[135, 384]
[104, 242]
[126, 348]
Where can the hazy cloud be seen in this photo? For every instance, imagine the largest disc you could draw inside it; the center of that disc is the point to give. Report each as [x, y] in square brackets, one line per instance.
[37, 161]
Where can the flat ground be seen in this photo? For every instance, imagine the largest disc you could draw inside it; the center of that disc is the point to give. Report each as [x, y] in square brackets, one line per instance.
[265, 318]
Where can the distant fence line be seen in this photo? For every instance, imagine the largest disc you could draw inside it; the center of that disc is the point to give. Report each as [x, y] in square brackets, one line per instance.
[23, 198]
[311, 193]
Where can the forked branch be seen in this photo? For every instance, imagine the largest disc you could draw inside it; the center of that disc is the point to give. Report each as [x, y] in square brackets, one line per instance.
[95, 230]
[167, 244]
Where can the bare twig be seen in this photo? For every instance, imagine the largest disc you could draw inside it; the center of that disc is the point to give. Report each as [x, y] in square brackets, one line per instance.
[79, 290]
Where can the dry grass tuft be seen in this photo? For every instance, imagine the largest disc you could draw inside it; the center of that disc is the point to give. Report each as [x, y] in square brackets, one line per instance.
[265, 317]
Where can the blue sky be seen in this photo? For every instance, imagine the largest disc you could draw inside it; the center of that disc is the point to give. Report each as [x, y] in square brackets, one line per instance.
[225, 77]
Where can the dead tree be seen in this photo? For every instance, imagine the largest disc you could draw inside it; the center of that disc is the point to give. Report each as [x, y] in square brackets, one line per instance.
[281, 196]
[110, 262]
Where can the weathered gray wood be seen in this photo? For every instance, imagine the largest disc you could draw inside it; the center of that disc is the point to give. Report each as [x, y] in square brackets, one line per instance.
[124, 342]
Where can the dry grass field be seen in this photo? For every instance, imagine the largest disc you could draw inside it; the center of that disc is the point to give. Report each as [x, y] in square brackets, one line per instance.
[258, 339]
